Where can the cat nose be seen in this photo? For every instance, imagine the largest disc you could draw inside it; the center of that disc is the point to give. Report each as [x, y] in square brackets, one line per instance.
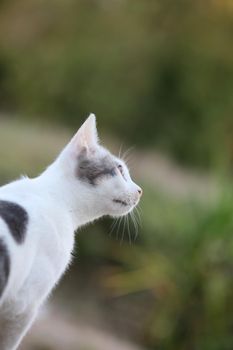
[140, 191]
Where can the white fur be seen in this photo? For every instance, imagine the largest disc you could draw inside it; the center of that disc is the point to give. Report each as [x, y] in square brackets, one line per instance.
[57, 203]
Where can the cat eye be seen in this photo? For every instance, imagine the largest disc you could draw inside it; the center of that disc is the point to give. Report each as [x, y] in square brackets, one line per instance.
[120, 167]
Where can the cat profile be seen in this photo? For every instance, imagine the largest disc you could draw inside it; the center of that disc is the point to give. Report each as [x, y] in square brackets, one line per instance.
[38, 218]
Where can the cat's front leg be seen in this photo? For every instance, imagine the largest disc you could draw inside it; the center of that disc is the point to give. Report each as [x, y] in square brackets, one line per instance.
[14, 326]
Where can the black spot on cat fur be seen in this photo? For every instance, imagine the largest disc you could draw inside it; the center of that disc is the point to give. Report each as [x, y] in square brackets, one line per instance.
[16, 219]
[91, 170]
[4, 266]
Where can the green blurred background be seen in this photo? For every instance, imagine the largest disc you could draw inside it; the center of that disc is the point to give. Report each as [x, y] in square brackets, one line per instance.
[159, 76]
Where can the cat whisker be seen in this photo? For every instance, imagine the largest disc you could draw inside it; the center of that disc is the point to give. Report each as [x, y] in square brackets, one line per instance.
[129, 159]
[128, 229]
[138, 216]
[127, 152]
[113, 226]
[120, 150]
[135, 223]
[118, 227]
[123, 223]
[123, 231]
[139, 211]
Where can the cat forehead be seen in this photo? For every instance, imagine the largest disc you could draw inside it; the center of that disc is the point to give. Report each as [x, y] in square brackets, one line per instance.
[92, 168]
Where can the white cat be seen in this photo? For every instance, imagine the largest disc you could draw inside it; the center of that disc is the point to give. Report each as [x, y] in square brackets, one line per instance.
[38, 218]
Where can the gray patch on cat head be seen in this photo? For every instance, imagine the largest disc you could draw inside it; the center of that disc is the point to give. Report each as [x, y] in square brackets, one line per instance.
[4, 266]
[91, 169]
[16, 218]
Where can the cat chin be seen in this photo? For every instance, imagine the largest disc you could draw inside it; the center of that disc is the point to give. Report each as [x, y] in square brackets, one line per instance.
[119, 214]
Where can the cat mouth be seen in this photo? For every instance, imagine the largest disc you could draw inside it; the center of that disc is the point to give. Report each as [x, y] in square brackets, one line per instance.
[120, 201]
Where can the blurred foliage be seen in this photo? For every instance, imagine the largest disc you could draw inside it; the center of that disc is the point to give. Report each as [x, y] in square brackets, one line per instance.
[163, 67]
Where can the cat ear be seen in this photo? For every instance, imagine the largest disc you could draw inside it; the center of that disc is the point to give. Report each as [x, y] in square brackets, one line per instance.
[87, 136]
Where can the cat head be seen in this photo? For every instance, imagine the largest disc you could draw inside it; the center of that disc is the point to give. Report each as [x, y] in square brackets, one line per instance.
[99, 176]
